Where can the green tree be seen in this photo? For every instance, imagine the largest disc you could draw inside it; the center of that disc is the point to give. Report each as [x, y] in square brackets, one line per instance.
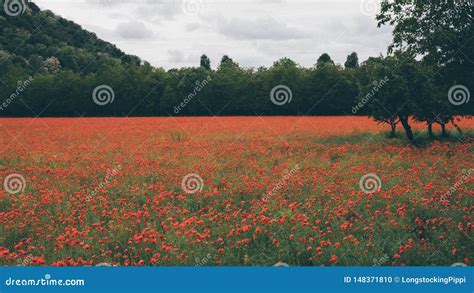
[226, 60]
[439, 31]
[324, 59]
[205, 62]
[352, 61]
[330, 90]
[284, 72]
[51, 65]
[395, 100]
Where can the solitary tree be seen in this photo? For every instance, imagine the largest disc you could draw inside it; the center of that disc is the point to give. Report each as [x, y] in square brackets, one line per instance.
[205, 62]
[441, 32]
[431, 100]
[226, 59]
[377, 93]
[433, 28]
[397, 99]
[352, 61]
[324, 59]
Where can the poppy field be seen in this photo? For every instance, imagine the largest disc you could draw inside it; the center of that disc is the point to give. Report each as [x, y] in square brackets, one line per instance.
[233, 191]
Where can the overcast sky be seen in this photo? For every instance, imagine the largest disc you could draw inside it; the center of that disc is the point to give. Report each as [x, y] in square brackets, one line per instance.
[175, 33]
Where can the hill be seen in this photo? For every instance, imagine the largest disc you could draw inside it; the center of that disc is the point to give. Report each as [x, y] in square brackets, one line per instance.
[37, 35]
[50, 66]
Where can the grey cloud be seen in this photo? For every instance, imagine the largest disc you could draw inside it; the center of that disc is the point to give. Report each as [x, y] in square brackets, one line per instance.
[252, 32]
[159, 10]
[175, 56]
[133, 30]
[266, 28]
[190, 27]
[152, 10]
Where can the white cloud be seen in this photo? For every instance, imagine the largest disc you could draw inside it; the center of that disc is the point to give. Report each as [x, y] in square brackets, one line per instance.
[252, 32]
[266, 28]
[133, 30]
[175, 56]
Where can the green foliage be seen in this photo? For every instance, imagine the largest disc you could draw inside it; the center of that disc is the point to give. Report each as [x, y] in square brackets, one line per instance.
[67, 63]
[352, 61]
[441, 32]
[324, 59]
[205, 62]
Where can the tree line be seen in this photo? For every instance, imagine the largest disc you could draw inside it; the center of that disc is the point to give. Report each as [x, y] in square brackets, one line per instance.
[427, 75]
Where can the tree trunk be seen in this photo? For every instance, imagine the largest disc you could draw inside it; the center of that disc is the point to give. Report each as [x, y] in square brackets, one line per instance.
[457, 126]
[406, 126]
[443, 130]
[393, 125]
[430, 130]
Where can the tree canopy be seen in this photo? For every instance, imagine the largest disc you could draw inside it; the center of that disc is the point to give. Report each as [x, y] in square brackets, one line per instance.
[50, 73]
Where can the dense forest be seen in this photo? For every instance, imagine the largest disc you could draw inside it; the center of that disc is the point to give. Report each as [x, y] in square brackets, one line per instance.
[50, 66]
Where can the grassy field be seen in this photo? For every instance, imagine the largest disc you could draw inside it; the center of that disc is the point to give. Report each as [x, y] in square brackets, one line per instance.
[232, 191]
